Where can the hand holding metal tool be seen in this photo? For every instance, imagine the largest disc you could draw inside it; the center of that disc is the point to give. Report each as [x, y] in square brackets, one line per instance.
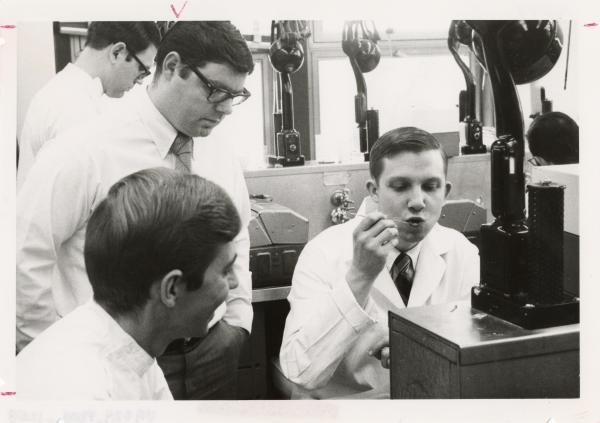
[373, 239]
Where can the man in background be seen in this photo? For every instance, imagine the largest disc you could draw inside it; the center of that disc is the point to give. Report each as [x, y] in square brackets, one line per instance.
[390, 256]
[553, 139]
[159, 255]
[116, 56]
[201, 70]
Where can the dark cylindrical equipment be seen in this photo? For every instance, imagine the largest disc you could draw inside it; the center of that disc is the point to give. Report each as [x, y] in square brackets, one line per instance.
[545, 252]
[287, 102]
[508, 202]
[372, 127]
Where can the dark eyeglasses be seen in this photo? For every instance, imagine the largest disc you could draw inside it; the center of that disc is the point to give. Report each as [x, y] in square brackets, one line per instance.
[143, 69]
[217, 95]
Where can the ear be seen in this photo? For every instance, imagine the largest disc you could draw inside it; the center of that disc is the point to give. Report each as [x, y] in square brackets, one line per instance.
[448, 188]
[115, 50]
[171, 287]
[373, 190]
[169, 65]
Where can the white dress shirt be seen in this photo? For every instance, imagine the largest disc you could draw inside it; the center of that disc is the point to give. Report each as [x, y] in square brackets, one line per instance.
[72, 174]
[88, 356]
[71, 97]
[328, 334]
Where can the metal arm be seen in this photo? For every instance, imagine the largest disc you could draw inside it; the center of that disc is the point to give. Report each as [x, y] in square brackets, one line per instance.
[460, 33]
[287, 56]
[359, 43]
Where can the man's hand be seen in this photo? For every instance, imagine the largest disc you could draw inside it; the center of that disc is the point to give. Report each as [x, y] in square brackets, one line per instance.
[373, 239]
[381, 351]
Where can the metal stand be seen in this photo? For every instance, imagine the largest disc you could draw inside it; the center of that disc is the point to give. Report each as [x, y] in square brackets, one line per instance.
[528, 316]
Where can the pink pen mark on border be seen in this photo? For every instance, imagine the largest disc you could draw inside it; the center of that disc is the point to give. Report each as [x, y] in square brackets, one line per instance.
[590, 24]
[8, 26]
[8, 394]
[177, 14]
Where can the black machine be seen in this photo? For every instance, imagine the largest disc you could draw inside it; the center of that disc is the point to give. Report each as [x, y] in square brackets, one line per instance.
[287, 56]
[521, 265]
[460, 33]
[359, 43]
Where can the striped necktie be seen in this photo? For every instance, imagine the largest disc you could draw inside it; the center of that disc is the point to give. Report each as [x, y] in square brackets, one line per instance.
[183, 149]
[402, 273]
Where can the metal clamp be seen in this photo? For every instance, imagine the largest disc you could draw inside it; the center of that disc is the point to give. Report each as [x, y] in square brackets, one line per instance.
[343, 210]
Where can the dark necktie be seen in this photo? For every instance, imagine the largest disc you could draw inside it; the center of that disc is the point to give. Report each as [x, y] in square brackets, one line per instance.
[402, 273]
[182, 149]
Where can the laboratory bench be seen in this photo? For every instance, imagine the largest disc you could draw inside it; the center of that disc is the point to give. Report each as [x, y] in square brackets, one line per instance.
[437, 352]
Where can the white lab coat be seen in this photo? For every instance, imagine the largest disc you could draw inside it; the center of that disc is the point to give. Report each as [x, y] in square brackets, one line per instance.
[328, 334]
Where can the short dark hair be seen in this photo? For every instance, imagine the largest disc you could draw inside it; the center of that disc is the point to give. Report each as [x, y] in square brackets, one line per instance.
[151, 222]
[136, 35]
[200, 42]
[400, 140]
[554, 137]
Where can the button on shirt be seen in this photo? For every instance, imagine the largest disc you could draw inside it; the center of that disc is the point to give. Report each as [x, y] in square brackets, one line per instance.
[72, 174]
[71, 97]
[88, 356]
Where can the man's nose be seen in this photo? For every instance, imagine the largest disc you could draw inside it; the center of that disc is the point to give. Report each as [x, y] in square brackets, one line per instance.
[225, 106]
[416, 201]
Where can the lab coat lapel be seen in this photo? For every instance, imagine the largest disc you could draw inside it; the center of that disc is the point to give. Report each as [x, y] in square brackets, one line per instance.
[385, 285]
[430, 268]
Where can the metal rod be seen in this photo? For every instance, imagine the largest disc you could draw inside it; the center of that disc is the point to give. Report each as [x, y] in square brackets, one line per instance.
[568, 50]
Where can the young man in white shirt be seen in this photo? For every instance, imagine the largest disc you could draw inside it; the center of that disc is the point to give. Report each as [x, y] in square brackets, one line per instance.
[347, 279]
[159, 254]
[116, 56]
[201, 69]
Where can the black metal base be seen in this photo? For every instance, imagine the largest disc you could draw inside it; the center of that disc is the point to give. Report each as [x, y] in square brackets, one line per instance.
[473, 149]
[281, 161]
[528, 316]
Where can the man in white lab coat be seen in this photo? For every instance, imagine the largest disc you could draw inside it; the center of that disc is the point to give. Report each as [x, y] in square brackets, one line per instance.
[348, 277]
[116, 56]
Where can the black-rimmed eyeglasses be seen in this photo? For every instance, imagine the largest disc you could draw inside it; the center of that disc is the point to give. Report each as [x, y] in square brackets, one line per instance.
[144, 71]
[217, 95]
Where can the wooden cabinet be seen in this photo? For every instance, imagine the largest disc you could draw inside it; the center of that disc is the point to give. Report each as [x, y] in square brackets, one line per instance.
[454, 351]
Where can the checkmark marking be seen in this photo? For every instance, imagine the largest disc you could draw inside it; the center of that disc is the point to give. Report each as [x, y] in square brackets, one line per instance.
[175, 12]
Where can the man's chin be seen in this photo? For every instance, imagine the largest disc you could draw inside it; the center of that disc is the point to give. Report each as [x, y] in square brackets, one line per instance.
[118, 94]
[410, 240]
[203, 131]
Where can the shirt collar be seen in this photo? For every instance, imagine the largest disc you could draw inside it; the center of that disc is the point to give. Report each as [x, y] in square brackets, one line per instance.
[123, 350]
[413, 253]
[92, 85]
[161, 131]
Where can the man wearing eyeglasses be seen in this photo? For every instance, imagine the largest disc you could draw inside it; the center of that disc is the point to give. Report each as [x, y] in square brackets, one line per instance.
[116, 56]
[201, 69]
